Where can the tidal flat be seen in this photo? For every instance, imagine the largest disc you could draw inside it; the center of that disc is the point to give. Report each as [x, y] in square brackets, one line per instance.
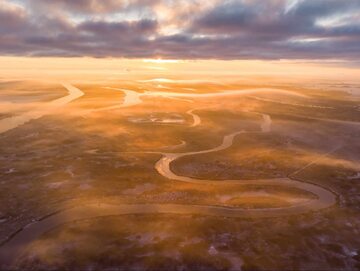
[153, 174]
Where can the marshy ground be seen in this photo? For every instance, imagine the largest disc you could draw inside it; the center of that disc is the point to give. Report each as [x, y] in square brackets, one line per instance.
[96, 149]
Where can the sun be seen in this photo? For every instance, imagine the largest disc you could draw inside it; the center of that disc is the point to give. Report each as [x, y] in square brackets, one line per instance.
[160, 61]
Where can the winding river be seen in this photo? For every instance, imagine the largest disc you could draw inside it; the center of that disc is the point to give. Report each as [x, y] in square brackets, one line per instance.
[16, 121]
[324, 198]
[132, 97]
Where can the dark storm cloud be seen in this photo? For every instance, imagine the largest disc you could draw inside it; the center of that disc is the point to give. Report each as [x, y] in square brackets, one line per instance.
[245, 29]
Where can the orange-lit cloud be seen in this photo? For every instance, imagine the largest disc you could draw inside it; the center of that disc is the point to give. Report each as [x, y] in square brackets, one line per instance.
[256, 29]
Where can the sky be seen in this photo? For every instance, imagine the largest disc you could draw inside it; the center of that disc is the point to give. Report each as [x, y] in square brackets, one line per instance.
[326, 30]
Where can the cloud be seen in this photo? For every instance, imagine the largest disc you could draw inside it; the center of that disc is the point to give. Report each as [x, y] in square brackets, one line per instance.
[118, 29]
[89, 6]
[242, 29]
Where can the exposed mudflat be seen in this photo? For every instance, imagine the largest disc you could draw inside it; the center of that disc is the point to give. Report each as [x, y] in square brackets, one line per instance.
[170, 154]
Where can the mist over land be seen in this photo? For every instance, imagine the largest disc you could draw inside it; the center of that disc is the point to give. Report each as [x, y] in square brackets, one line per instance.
[163, 135]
